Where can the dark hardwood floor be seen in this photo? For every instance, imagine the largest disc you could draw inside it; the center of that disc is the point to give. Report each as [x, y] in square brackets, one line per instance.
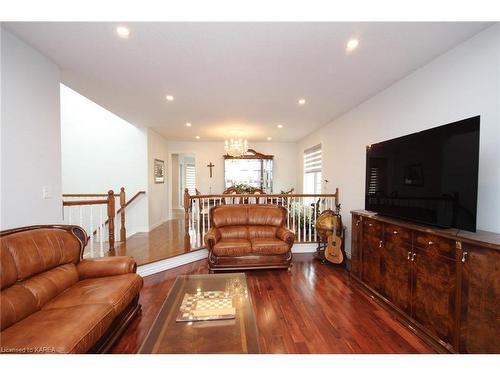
[314, 308]
[164, 241]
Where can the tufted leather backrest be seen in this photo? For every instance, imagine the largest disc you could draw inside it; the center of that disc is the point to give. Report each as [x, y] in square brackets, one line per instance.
[248, 220]
[36, 264]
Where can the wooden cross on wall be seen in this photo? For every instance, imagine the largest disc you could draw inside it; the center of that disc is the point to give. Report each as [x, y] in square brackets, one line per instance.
[211, 165]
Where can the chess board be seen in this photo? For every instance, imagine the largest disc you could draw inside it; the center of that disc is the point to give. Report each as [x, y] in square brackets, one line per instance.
[210, 305]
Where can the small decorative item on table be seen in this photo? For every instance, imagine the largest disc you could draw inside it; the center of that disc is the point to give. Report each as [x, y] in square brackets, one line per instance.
[209, 305]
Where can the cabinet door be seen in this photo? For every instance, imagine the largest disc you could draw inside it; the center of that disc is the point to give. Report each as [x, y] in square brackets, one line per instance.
[480, 310]
[370, 267]
[396, 274]
[355, 246]
[434, 293]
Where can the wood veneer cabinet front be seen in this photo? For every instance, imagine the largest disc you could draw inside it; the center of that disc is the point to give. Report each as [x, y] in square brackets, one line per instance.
[445, 285]
[480, 297]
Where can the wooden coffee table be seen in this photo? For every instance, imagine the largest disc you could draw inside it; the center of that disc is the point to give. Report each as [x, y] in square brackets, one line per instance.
[238, 335]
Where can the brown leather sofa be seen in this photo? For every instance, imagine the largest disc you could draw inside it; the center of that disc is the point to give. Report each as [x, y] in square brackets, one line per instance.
[248, 236]
[52, 301]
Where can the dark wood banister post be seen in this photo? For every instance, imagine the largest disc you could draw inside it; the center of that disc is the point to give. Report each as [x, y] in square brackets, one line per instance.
[123, 232]
[187, 239]
[336, 197]
[111, 220]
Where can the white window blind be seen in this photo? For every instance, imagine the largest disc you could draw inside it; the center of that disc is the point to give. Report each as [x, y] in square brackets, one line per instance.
[191, 178]
[312, 170]
[312, 159]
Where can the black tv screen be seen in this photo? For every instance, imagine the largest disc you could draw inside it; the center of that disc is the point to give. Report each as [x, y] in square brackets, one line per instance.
[428, 177]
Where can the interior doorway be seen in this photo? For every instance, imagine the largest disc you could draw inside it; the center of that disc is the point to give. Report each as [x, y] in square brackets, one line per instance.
[183, 176]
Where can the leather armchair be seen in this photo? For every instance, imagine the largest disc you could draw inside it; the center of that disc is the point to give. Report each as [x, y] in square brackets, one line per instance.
[52, 301]
[248, 236]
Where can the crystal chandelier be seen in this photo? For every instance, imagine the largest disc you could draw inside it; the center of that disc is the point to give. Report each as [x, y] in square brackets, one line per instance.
[236, 147]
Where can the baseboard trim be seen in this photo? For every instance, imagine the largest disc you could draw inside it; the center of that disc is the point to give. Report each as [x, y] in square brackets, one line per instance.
[166, 264]
[193, 256]
[304, 248]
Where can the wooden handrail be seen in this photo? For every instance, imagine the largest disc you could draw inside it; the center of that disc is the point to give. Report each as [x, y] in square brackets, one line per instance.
[88, 195]
[132, 199]
[85, 203]
[263, 196]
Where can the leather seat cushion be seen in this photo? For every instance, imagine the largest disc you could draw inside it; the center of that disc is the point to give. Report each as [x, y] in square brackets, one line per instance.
[115, 291]
[68, 330]
[269, 246]
[232, 247]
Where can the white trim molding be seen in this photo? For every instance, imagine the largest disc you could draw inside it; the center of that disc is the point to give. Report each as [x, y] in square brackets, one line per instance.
[169, 263]
[304, 248]
[193, 256]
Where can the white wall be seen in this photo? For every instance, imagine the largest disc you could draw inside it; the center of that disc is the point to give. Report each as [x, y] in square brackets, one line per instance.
[462, 83]
[158, 193]
[101, 151]
[30, 140]
[285, 158]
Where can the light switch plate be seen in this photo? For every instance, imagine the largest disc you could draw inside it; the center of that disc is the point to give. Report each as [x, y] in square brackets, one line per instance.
[46, 192]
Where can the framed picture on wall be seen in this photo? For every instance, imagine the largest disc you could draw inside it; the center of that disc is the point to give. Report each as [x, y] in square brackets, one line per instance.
[159, 171]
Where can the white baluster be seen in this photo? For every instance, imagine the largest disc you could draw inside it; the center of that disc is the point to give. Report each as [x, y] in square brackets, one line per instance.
[69, 215]
[204, 214]
[293, 215]
[315, 215]
[208, 216]
[80, 209]
[304, 223]
[310, 221]
[91, 237]
[101, 224]
[199, 217]
[288, 213]
[299, 209]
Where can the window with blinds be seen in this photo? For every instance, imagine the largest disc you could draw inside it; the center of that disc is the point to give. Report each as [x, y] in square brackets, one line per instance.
[190, 178]
[312, 170]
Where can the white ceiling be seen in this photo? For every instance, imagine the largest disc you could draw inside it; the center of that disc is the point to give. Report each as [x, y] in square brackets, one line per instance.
[237, 78]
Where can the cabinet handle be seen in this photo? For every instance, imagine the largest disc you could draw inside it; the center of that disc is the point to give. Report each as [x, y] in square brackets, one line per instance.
[379, 243]
[409, 255]
[464, 254]
[413, 257]
[430, 243]
[357, 223]
[395, 232]
[370, 224]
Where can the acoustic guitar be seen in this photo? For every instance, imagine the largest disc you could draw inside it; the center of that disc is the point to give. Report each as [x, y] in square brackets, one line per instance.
[333, 251]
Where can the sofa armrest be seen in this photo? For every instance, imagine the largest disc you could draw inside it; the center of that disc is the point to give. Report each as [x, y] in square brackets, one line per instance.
[107, 266]
[212, 237]
[285, 235]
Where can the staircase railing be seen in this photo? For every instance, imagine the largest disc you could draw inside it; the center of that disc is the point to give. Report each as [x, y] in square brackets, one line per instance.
[302, 212]
[97, 214]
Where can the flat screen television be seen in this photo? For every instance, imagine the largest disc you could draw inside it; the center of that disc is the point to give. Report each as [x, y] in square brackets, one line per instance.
[428, 177]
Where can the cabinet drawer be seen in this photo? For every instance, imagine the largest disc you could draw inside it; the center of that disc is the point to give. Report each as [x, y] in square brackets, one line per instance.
[396, 234]
[372, 227]
[435, 244]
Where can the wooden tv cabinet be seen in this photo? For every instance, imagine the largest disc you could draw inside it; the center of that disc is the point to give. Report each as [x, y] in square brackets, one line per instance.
[444, 284]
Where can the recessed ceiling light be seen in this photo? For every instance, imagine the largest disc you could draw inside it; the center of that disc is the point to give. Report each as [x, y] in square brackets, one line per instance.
[352, 44]
[269, 138]
[302, 101]
[280, 126]
[170, 98]
[197, 137]
[123, 32]
[188, 124]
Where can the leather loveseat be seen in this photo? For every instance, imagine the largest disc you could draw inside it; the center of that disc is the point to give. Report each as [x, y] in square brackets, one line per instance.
[52, 301]
[248, 236]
